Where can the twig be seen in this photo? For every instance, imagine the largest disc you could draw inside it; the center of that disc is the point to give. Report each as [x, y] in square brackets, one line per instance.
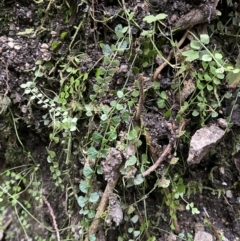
[159, 161]
[141, 97]
[164, 64]
[53, 217]
[101, 207]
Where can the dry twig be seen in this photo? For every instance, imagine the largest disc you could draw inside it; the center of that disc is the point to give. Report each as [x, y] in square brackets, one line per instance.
[101, 207]
[53, 217]
[159, 161]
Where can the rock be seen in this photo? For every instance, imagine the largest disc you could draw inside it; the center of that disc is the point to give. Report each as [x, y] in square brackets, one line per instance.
[203, 236]
[10, 45]
[44, 46]
[229, 194]
[202, 141]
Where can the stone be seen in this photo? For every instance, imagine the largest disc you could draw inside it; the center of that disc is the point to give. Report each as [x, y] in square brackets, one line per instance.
[202, 141]
[203, 236]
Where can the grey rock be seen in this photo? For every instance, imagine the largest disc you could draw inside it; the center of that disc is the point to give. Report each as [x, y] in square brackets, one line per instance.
[203, 236]
[202, 141]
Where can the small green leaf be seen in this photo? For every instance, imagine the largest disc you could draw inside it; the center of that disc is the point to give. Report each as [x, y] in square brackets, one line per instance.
[214, 114]
[104, 117]
[97, 137]
[93, 197]
[204, 38]
[112, 71]
[106, 49]
[195, 44]
[92, 237]
[116, 120]
[147, 33]
[125, 29]
[207, 77]
[133, 134]
[152, 238]
[236, 71]
[52, 154]
[209, 87]
[113, 103]
[149, 19]
[120, 93]
[156, 85]
[216, 81]
[163, 182]
[115, 63]
[83, 186]
[112, 134]
[152, 18]
[136, 233]
[119, 107]
[195, 113]
[125, 116]
[100, 71]
[163, 95]
[131, 15]
[138, 179]
[220, 70]
[63, 35]
[161, 16]
[118, 31]
[174, 160]
[191, 55]
[55, 45]
[135, 93]
[131, 161]
[88, 172]
[161, 103]
[82, 201]
[135, 218]
[195, 211]
[38, 73]
[207, 57]
[92, 153]
[218, 56]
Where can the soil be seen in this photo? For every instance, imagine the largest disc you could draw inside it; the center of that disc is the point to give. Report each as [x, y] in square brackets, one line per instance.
[28, 32]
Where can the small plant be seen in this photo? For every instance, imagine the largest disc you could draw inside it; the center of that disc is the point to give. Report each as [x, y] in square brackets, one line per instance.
[174, 190]
[206, 101]
[13, 187]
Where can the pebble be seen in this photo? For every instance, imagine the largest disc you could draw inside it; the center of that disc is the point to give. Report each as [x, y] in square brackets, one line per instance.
[229, 194]
[44, 46]
[123, 68]
[53, 33]
[17, 47]
[11, 45]
[222, 123]
[203, 236]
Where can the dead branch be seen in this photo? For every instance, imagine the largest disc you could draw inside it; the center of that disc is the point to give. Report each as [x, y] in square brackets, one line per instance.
[159, 161]
[101, 207]
[204, 13]
[53, 217]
